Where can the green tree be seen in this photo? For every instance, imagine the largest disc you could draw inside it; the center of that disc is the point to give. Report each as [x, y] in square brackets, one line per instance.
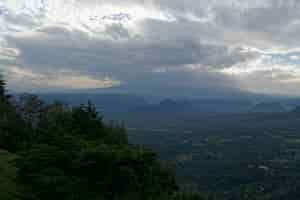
[76, 155]
[14, 132]
[70, 153]
[2, 87]
[30, 108]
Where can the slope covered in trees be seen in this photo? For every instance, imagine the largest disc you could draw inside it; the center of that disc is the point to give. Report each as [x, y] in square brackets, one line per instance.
[68, 153]
[9, 189]
[56, 151]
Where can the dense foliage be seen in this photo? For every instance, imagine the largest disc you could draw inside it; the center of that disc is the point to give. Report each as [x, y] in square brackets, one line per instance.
[9, 189]
[69, 153]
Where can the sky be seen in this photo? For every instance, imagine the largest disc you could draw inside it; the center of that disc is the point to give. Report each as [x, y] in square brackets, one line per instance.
[154, 46]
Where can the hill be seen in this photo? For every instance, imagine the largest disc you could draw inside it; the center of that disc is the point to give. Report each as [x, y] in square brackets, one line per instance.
[270, 107]
[9, 189]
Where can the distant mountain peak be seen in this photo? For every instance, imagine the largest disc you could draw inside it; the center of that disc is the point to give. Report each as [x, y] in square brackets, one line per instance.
[268, 107]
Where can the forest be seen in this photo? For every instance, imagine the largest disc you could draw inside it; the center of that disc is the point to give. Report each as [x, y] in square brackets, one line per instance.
[55, 151]
[52, 150]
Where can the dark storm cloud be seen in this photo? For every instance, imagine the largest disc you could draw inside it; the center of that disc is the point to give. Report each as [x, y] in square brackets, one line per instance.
[59, 48]
[153, 44]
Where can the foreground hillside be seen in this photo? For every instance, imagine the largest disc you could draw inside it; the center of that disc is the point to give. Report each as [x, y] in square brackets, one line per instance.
[69, 153]
[9, 189]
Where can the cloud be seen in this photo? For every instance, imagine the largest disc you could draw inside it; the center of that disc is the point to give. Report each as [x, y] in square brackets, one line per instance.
[294, 57]
[56, 48]
[64, 80]
[158, 44]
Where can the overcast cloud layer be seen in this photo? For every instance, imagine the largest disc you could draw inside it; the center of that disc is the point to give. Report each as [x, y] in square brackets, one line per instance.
[151, 45]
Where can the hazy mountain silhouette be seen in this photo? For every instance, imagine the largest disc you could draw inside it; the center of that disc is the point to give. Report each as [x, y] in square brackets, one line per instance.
[268, 107]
